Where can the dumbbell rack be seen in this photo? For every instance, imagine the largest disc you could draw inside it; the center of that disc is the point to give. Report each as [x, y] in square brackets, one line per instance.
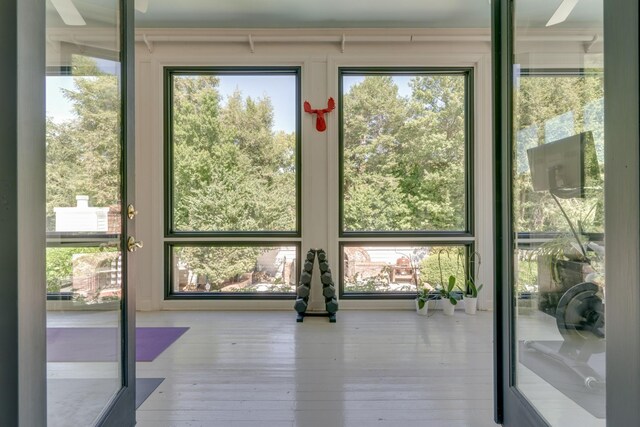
[328, 287]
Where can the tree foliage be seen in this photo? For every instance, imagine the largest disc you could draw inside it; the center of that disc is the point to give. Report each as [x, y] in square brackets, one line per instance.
[404, 157]
[84, 154]
[550, 108]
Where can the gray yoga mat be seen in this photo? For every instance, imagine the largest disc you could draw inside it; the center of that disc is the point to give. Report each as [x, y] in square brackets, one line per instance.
[144, 388]
[79, 401]
[564, 379]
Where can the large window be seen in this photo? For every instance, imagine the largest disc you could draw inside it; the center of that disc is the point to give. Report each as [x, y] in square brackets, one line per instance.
[384, 268]
[232, 169]
[405, 173]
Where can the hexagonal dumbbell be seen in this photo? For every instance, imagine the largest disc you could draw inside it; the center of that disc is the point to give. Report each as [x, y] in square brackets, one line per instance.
[331, 305]
[322, 255]
[303, 291]
[326, 278]
[300, 305]
[311, 255]
[324, 266]
[305, 278]
[308, 266]
[329, 291]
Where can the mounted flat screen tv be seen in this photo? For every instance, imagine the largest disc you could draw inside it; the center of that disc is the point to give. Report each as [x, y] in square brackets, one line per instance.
[565, 167]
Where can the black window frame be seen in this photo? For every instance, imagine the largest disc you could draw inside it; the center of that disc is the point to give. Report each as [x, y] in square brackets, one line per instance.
[168, 73]
[468, 73]
[469, 265]
[425, 238]
[170, 294]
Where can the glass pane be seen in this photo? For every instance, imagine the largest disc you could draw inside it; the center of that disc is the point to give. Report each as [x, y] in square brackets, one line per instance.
[234, 152]
[234, 269]
[401, 268]
[403, 142]
[83, 146]
[84, 278]
[558, 189]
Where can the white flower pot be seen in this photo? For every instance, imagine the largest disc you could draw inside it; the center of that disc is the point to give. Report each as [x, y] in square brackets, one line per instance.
[447, 307]
[470, 305]
[422, 311]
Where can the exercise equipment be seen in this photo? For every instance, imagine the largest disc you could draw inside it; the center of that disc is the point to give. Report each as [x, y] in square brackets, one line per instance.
[580, 321]
[300, 305]
[328, 287]
[329, 291]
[303, 291]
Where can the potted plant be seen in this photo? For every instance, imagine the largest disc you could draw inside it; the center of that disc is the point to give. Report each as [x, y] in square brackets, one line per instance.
[446, 290]
[422, 301]
[471, 293]
[423, 290]
[447, 296]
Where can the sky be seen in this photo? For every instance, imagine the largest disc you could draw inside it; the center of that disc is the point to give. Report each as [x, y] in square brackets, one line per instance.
[281, 90]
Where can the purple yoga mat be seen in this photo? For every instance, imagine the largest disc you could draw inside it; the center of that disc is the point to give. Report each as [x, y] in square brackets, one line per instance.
[102, 344]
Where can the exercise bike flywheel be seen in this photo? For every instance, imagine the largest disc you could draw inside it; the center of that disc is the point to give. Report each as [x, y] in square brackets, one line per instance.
[580, 314]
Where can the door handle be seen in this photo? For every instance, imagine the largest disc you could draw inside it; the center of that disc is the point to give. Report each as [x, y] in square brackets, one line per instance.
[131, 212]
[133, 245]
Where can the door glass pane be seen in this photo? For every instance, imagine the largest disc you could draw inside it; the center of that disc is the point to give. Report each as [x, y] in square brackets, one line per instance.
[83, 257]
[558, 210]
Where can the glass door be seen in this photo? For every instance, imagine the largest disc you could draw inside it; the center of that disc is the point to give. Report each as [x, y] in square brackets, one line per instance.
[551, 251]
[89, 147]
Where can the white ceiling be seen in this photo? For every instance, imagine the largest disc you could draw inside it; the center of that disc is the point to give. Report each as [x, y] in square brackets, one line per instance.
[315, 14]
[330, 13]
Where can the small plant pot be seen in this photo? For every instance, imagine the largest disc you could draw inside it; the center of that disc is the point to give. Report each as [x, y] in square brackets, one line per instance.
[422, 311]
[470, 305]
[447, 307]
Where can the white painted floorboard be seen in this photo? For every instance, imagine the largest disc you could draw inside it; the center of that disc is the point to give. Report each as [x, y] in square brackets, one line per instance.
[371, 368]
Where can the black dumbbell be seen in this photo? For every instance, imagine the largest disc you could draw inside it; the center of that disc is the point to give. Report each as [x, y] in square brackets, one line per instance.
[305, 278]
[324, 266]
[322, 255]
[332, 305]
[311, 255]
[308, 266]
[328, 291]
[300, 306]
[303, 291]
[326, 278]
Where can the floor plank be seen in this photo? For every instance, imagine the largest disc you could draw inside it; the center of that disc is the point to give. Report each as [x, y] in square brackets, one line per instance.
[371, 368]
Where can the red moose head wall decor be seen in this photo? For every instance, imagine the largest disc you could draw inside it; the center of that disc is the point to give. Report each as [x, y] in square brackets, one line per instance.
[321, 123]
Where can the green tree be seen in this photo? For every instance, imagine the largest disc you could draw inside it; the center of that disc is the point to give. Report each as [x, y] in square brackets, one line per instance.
[83, 155]
[231, 172]
[404, 158]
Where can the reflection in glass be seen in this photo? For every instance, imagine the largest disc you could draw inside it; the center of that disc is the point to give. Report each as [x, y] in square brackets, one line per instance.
[234, 269]
[84, 277]
[558, 214]
[400, 269]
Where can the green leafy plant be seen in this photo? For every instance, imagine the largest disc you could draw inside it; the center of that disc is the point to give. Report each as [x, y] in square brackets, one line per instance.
[423, 296]
[473, 288]
[446, 290]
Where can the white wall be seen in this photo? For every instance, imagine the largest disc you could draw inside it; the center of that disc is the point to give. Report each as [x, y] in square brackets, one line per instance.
[319, 56]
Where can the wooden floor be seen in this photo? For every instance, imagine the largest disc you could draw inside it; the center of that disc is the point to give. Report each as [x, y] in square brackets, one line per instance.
[371, 368]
